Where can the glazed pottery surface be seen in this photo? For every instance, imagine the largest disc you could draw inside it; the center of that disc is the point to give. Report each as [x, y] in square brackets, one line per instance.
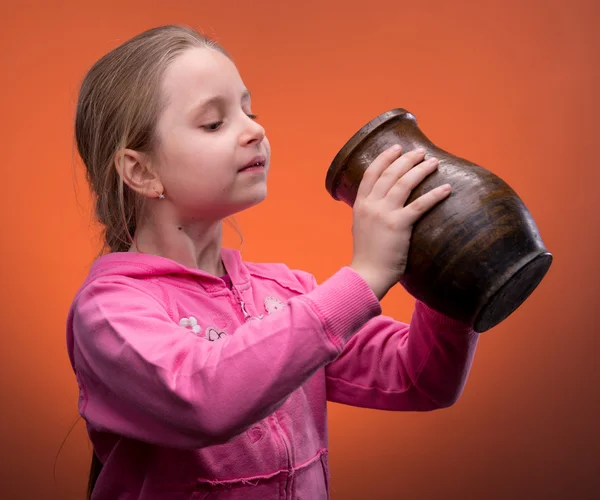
[478, 254]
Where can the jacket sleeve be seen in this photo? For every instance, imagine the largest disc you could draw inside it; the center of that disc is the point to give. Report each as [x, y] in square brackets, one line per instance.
[143, 376]
[390, 365]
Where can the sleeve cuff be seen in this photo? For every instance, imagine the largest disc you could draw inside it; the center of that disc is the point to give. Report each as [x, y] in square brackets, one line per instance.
[344, 302]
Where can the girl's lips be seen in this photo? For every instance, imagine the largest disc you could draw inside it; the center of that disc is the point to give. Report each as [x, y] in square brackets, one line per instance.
[257, 163]
[256, 168]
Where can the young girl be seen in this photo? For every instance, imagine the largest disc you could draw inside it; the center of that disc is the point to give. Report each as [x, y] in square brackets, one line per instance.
[202, 375]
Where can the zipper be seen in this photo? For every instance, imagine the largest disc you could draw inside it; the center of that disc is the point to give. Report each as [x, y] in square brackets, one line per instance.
[279, 430]
[288, 454]
[242, 304]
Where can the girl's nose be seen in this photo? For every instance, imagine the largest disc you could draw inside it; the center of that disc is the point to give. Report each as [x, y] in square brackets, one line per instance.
[253, 132]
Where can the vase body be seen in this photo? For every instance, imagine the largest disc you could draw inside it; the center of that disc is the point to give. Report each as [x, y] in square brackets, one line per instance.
[478, 254]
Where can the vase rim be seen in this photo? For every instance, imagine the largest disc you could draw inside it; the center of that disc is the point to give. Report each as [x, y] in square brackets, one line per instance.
[348, 148]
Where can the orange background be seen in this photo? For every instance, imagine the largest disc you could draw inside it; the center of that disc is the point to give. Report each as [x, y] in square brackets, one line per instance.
[510, 85]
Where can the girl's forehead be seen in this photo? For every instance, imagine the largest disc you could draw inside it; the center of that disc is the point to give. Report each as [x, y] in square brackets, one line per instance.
[198, 71]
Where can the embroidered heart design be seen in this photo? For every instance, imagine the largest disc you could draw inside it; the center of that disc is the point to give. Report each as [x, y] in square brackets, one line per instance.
[255, 434]
[213, 334]
[273, 304]
[221, 320]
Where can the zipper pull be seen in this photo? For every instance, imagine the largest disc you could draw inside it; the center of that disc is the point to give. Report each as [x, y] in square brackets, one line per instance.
[243, 306]
[247, 316]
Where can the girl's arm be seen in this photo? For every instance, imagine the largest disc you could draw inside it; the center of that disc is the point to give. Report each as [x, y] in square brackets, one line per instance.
[392, 365]
[143, 376]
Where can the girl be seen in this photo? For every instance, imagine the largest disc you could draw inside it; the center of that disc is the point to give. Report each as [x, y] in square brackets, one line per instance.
[201, 375]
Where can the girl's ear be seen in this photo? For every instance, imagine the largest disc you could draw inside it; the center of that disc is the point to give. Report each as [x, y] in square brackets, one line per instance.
[136, 171]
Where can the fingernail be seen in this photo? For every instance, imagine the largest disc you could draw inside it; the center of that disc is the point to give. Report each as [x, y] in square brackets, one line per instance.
[446, 188]
[395, 147]
[420, 150]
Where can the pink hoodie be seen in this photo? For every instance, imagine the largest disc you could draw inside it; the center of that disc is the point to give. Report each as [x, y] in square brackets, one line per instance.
[191, 389]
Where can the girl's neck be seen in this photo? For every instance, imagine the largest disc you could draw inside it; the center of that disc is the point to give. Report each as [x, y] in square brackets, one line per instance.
[196, 245]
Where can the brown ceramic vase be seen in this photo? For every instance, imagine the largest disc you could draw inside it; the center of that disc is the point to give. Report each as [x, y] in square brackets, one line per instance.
[477, 255]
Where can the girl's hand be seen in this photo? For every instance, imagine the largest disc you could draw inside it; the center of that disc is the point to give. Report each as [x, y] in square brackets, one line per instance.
[382, 225]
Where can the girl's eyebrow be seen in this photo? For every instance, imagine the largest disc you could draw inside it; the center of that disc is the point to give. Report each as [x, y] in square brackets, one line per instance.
[215, 101]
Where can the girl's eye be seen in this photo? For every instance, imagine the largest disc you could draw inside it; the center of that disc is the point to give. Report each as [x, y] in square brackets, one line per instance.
[212, 126]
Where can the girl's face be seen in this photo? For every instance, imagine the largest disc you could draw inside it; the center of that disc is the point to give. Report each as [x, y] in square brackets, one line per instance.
[207, 136]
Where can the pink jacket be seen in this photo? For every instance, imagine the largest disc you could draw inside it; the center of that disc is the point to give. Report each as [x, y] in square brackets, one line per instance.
[191, 389]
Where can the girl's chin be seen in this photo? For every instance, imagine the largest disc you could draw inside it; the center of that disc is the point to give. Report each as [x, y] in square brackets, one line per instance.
[251, 200]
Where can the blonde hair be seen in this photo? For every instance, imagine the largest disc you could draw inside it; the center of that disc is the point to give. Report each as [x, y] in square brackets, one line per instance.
[118, 107]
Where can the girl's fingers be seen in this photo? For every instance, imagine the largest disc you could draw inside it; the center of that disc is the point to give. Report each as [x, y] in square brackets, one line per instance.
[401, 190]
[396, 171]
[375, 169]
[412, 212]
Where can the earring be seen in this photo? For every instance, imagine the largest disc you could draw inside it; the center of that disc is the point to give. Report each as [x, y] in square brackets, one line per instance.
[160, 195]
